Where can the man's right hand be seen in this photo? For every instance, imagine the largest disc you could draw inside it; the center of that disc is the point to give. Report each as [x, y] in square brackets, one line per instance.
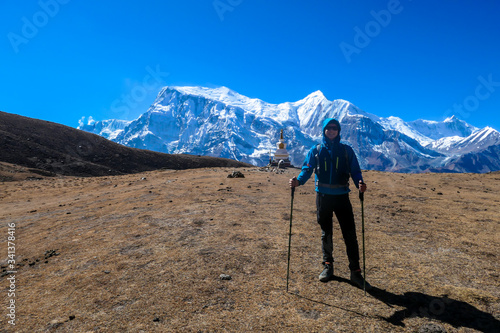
[294, 182]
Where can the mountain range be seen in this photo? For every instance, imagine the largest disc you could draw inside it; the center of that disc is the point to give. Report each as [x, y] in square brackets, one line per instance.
[220, 122]
[33, 147]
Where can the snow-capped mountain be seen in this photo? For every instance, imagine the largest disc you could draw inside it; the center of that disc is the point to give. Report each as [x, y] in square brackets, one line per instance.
[109, 129]
[220, 122]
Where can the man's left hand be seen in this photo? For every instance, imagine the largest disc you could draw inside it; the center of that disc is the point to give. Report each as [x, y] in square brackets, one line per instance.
[362, 187]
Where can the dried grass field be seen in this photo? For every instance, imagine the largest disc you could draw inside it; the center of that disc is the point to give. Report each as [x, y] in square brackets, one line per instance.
[145, 253]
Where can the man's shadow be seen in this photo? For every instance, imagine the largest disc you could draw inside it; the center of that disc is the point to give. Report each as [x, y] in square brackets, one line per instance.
[447, 310]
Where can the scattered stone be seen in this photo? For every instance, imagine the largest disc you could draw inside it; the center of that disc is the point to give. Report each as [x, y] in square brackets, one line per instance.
[236, 174]
[431, 328]
[228, 188]
[51, 253]
[225, 277]
[156, 319]
[72, 317]
[309, 314]
[55, 324]
[440, 193]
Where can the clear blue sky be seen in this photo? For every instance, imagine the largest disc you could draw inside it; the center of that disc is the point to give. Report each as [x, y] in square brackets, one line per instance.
[64, 59]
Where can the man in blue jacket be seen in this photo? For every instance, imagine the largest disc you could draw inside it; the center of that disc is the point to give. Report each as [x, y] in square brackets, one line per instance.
[333, 164]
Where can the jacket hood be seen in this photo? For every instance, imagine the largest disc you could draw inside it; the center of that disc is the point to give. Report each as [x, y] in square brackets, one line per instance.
[327, 122]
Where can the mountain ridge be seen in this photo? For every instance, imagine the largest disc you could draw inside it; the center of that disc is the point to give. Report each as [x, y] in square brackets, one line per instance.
[61, 150]
[221, 122]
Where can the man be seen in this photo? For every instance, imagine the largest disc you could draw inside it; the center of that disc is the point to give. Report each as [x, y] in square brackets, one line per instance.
[333, 163]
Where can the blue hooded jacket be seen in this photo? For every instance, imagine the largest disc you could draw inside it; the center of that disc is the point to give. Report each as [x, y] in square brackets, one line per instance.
[333, 164]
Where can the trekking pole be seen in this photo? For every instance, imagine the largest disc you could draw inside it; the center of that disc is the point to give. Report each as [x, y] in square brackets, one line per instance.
[289, 240]
[362, 198]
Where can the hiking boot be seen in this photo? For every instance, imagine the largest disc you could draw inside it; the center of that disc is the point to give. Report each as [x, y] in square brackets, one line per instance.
[357, 280]
[327, 273]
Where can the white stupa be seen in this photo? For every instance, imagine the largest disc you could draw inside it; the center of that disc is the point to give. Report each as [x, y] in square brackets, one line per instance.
[281, 156]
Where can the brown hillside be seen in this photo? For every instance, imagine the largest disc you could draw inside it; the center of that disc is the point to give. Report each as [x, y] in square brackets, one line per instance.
[59, 149]
[145, 252]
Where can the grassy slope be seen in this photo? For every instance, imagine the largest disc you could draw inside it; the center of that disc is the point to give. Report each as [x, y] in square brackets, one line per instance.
[51, 148]
[146, 254]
